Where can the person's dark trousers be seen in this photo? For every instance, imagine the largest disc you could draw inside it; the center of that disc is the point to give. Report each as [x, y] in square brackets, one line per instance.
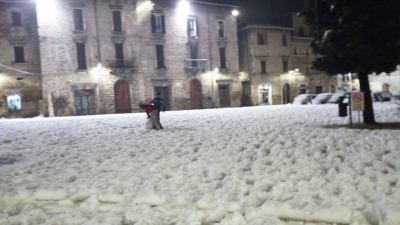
[158, 119]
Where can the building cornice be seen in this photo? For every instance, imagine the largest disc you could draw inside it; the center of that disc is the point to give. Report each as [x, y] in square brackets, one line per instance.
[215, 4]
[261, 26]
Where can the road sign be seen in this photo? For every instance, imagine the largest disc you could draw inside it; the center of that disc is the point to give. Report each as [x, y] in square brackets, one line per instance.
[357, 101]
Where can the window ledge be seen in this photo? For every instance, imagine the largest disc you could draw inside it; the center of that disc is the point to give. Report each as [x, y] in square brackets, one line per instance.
[21, 63]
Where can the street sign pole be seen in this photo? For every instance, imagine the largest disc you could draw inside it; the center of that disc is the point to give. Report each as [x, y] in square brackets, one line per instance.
[350, 111]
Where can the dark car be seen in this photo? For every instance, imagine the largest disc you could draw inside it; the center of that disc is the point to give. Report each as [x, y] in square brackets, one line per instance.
[382, 96]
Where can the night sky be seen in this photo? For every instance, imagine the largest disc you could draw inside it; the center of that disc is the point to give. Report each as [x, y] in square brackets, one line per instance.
[262, 11]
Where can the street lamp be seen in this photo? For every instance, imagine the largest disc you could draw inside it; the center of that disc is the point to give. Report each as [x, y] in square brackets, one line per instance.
[235, 12]
[214, 72]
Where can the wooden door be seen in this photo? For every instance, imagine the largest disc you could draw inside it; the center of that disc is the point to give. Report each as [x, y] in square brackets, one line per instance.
[286, 94]
[122, 97]
[246, 93]
[224, 95]
[196, 95]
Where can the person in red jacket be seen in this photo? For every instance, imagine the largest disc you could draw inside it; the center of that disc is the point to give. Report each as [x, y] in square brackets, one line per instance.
[151, 112]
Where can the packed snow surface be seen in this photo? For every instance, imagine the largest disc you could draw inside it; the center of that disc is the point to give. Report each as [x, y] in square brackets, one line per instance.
[269, 165]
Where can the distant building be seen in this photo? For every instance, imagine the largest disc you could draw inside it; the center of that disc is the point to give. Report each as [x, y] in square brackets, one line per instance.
[276, 63]
[108, 56]
[20, 82]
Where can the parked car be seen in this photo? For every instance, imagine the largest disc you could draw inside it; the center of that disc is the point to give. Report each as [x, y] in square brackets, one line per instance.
[303, 99]
[336, 97]
[396, 97]
[322, 98]
[382, 96]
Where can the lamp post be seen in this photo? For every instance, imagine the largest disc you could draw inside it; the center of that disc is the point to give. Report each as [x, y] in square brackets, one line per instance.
[213, 73]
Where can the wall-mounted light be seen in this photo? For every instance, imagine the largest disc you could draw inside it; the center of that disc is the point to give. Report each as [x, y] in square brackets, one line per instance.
[235, 12]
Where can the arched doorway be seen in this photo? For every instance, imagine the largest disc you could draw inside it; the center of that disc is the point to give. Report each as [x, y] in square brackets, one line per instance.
[286, 93]
[122, 97]
[386, 87]
[196, 94]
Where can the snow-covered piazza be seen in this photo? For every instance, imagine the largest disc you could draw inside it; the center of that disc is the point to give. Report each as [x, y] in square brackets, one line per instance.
[266, 165]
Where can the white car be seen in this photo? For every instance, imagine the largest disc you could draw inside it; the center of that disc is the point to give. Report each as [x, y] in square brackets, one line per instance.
[321, 98]
[303, 99]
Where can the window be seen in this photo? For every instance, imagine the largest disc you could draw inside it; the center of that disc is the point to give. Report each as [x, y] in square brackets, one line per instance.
[222, 58]
[119, 55]
[263, 66]
[284, 40]
[157, 23]
[19, 54]
[16, 18]
[285, 65]
[81, 56]
[260, 39]
[295, 51]
[78, 19]
[301, 32]
[117, 21]
[221, 28]
[193, 55]
[318, 89]
[192, 27]
[160, 56]
[302, 89]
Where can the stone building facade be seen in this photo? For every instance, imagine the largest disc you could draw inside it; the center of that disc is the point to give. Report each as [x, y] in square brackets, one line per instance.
[20, 82]
[276, 63]
[108, 56]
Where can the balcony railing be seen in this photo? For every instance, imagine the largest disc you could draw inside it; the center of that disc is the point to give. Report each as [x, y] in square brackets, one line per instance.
[121, 64]
[195, 65]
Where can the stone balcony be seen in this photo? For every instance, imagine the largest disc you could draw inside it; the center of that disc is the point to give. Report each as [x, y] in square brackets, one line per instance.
[195, 66]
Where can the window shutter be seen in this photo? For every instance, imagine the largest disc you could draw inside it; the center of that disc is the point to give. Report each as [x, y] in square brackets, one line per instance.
[163, 24]
[197, 28]
[153, 23]
[188, 27]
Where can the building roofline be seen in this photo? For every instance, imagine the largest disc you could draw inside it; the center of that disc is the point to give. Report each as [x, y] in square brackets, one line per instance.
[264, 26]
[302, 38]
[215, 4]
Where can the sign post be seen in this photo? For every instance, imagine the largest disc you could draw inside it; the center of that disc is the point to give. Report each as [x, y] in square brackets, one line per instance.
[357, 102]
